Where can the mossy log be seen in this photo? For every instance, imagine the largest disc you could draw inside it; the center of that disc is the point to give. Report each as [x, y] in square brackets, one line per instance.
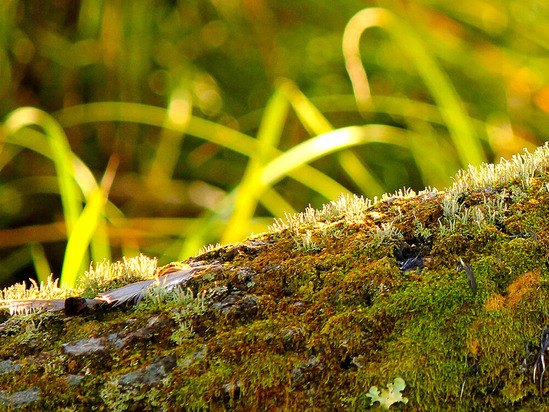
[443, 292]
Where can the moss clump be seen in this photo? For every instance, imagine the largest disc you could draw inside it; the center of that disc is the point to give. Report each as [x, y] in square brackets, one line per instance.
[326, 306]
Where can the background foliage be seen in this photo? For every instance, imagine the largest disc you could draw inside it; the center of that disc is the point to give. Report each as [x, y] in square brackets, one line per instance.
[219, 103]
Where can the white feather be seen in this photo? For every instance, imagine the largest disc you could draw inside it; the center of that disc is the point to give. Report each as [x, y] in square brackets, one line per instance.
[171, 277]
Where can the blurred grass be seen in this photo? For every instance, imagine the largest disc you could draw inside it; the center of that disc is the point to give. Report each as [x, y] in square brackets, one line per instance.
[85, 227]
[451, 107]
[213, 141]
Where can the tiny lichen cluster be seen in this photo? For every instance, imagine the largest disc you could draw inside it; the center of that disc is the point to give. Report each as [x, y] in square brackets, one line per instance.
[119, 273]
[521, 168]
[122, 398]
[31, 329]
[347, 207]
[387, 232]
[208, 248]
[158, 297]
[306, 241]
[188, 308]
[490, 210]
[46, 290]
[184, 305]
[389, 396]
[420, 230]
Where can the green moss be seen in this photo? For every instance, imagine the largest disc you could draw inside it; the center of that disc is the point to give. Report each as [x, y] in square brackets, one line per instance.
[327, 306]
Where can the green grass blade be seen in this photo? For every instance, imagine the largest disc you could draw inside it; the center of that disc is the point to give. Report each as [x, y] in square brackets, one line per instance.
[432, 156]
[465, 140]
[40, 261]
[100, 245]
[313, 119]
[61, 155]
[204, 129]
[7, 154]
[34, 140]
[14, 262]
[248, 192]
[327, 143]
[360, 174]
[84, 229]
[201, 229]
[167, 152]
[275, 203]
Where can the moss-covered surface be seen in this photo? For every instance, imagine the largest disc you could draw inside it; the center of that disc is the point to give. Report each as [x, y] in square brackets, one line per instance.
[313, 314]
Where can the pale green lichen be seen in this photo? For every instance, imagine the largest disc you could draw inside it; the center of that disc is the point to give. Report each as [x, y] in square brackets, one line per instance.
[386, 233]
[389, 396]
[351, 207]
[208, 248]
[45, 290]
[184, 306]
[105, 274]
[521, 168]
[305, 242]
[187, 309]
[121, 398]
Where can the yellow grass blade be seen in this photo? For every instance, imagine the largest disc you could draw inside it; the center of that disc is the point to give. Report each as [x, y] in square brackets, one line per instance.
[85, 227]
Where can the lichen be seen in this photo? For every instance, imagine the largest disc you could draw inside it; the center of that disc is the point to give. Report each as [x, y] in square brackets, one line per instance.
[387, 397]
